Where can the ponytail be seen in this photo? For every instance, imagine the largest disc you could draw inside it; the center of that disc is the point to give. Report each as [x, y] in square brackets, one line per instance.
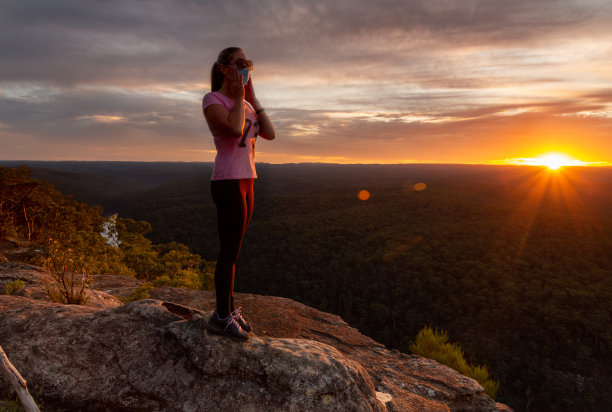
[216, 76]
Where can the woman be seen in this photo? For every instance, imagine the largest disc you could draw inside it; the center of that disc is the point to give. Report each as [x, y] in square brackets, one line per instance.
[235, 118]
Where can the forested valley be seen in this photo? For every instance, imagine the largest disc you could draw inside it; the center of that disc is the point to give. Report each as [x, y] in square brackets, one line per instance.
[515, 262]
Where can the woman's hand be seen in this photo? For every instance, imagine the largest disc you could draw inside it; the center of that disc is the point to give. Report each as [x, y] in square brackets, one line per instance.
[236, 87]
[266, 130]
[249, 92]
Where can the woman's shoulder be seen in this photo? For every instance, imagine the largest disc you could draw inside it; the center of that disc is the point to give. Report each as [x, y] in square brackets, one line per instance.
[215, 98]
[218, 96]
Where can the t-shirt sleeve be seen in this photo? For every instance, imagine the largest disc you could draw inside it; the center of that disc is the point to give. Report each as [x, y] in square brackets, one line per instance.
[211, 98]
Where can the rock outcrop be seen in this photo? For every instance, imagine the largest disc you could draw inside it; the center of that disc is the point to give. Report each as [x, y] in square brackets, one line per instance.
[155, 354]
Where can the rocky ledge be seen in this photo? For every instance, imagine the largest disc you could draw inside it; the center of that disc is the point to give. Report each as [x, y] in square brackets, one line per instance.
[155, 355]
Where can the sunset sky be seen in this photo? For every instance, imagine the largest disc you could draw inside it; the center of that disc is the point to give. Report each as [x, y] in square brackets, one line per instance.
[471, 81]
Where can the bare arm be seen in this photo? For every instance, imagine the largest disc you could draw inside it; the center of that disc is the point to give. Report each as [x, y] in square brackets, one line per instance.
[266, 129]
[225, 122]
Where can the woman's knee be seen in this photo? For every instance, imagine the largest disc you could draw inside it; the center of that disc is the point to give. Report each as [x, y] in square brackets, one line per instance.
[228, 256]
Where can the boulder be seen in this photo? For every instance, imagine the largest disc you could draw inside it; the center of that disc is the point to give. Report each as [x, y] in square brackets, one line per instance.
[143, 357]
[403, 382]
[155, 354]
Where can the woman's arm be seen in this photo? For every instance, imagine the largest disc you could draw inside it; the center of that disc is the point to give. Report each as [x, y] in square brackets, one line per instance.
[223, 122]
[266, 129]
[228, 123]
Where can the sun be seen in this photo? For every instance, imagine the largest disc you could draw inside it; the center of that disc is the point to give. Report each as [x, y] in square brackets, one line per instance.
[553, 161]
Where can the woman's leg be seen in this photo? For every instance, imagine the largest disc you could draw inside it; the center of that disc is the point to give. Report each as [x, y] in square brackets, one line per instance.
[234, 201]
[246, 192]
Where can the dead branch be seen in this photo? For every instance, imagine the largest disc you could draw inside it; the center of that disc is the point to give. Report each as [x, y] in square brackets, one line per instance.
[20, 385]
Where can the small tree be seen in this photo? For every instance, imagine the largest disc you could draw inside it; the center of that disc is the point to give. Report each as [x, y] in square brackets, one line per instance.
[71, 271]
[16, 197]
[137, 251]
[79, 241]
[181, 268]
[433, 344]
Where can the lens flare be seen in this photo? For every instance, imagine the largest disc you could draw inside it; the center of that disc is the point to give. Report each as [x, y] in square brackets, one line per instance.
[364, 195]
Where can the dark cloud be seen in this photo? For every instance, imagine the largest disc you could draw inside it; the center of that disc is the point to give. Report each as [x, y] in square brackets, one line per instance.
[132, 73]
[75, 122]
[83, 115]
[71, 42]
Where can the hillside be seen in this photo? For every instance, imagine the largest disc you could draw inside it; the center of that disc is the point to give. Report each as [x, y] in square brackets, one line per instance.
[514, 262]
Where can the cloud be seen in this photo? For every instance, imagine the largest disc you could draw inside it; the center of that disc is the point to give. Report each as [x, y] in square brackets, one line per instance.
[341, 79]
[67, 42]
[79, 115]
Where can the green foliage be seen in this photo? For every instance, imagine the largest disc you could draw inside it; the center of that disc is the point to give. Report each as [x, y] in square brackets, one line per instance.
[16, 202]
[182, 268]
[207, 275]
[14, 285]
[170, 264]
[433, 344]
[79, 242]
[71, 270]
[11, 405]
[138, 253]
[514, 265]
[176, 258]
[140, 293]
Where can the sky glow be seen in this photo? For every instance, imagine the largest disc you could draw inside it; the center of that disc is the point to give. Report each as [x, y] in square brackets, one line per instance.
[344, 81]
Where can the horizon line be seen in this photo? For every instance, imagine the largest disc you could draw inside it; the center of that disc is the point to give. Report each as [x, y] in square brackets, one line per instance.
[492, 163]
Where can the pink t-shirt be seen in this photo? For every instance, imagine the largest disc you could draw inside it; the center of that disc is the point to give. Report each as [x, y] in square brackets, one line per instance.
[235, 156]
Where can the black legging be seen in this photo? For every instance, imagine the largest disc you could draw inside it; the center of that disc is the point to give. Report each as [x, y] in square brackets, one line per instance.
[234, 200]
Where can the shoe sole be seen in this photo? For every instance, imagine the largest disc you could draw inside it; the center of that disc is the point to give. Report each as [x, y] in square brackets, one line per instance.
[219, 331]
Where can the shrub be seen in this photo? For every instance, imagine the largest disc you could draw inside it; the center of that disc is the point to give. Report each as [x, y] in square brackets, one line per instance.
[433, 344]
[71, 272]
[208, 275]
[140, 293]
[14, 286]
[80, 242]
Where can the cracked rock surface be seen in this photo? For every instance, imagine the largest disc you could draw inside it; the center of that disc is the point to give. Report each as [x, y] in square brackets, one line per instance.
[155, 355]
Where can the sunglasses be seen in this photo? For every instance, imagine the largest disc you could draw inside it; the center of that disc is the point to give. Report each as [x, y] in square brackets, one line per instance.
[242, 64]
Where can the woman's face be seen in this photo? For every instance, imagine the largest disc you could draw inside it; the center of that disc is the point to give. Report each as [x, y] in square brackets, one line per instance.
[239, 60]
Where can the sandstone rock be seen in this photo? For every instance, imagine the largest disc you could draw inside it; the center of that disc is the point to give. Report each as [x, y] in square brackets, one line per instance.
[155, 355]
[112, 283]
[30, 274]
[36, 280]
[413, 383]
[140, 356]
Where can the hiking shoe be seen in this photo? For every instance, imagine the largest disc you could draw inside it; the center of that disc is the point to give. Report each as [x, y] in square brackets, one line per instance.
[241, 321]
[226, 327]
